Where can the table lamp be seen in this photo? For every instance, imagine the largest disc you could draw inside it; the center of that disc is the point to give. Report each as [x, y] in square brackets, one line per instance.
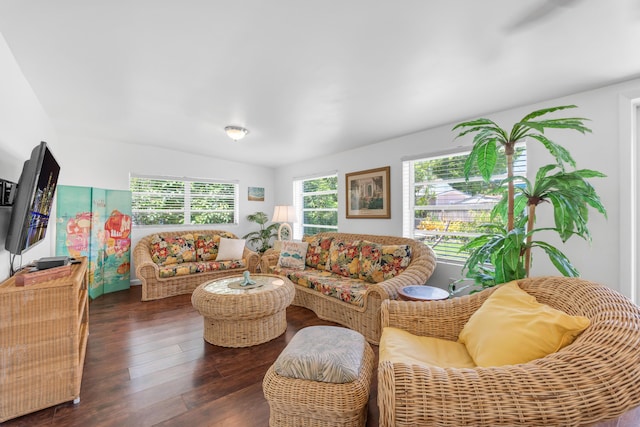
[284, 215]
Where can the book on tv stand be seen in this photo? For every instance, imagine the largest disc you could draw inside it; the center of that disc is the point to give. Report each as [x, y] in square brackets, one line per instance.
[33, 276]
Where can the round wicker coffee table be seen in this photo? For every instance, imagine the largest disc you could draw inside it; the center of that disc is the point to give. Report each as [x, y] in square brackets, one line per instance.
[243, 317]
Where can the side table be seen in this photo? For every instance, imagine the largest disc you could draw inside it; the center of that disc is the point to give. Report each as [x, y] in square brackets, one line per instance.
[422, 293]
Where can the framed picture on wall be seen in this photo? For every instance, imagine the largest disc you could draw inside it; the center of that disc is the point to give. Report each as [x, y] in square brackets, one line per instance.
[256, 194]
[368, 193]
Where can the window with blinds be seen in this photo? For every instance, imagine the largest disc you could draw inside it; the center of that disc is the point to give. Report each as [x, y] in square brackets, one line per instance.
[167, 200]
[316, 203]
[444, 210]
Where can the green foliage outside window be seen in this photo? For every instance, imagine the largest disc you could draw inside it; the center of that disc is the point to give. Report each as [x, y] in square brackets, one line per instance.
[319, 205]
[448, 209]
[157, 201]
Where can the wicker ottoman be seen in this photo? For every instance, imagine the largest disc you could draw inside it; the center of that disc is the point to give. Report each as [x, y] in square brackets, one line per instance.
[321, 378]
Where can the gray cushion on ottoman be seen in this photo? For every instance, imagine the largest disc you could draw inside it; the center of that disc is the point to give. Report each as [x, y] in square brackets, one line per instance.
[322, 353]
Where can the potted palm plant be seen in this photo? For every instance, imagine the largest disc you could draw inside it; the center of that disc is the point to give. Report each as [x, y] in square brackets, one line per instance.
[260, 240]
[504, 251]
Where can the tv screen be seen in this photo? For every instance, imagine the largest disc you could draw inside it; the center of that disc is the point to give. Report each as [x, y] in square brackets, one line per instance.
[33, 201]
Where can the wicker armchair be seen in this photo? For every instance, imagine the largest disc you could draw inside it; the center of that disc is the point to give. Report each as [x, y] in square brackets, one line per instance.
[365, 319]
[594, 379]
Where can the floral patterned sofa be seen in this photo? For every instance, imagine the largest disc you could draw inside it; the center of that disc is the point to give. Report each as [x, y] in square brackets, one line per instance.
[176, 262]
[345, 277]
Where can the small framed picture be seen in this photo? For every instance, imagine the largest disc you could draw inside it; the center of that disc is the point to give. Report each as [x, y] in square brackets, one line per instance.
[256, 194]
[368, 193]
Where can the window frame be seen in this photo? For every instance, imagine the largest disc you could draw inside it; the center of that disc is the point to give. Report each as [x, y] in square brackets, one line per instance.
[186, 208]
[409, 227]
[298, 203]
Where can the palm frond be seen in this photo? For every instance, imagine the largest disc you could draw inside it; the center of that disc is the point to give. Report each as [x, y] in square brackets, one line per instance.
[558, 259]
[575, 123]
[557, 151]
[487, 158]
[481, 122]
[544, 111]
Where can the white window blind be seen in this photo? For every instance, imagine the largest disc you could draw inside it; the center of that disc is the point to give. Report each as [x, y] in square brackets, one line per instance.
[443, 209]
[168, 200]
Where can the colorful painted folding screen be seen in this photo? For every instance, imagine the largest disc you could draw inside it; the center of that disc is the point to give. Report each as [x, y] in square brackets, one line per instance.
[96, 223]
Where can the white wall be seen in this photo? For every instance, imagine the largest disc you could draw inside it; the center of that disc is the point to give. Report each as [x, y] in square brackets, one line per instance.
[23, 124]
[103, 164]
[107, 164]
[599, 151]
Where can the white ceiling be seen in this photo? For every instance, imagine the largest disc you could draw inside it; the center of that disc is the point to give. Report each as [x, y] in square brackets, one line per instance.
[307, 78]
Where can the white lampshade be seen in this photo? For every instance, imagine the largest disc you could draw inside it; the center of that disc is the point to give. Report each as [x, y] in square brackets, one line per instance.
[284, 215]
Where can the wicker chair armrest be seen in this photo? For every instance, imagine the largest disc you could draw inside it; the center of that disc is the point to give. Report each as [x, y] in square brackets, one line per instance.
[440, 319]
[253, 259]
[147, 272]
[268, 259]
[454, 396]
[141, 253]
[417, 273]
[145, 267]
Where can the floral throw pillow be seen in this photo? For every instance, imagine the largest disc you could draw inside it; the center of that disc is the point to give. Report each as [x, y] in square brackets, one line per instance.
[344, 258]
[293, 255]
[207, 246]
[227, 235]
[318, 251]
[172, 250]
[382, 262]
[370, 255]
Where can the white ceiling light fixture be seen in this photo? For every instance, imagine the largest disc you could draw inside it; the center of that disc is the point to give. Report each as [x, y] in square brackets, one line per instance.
[236, 132]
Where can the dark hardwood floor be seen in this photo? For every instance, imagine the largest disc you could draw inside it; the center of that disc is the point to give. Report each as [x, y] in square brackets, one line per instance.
[148, 365]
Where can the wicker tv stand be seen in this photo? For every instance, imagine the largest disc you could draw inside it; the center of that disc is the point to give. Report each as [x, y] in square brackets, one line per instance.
[43, 339]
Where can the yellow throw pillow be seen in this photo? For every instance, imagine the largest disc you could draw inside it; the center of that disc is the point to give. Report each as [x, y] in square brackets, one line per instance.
[399, 346]
[512, 327]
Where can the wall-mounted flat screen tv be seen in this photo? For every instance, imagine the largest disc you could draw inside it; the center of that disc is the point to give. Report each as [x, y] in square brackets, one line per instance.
[33, 201]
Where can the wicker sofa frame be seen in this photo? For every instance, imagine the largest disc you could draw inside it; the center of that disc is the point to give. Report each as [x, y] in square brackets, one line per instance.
[365, 319]
[155, 287]
[594, 379]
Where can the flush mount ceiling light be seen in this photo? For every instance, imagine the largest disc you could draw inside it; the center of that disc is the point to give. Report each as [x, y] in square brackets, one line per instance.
[236, 132]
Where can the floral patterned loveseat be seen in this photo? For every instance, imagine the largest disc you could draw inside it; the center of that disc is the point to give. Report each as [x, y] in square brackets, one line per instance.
[176, 262]
[345, 277]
